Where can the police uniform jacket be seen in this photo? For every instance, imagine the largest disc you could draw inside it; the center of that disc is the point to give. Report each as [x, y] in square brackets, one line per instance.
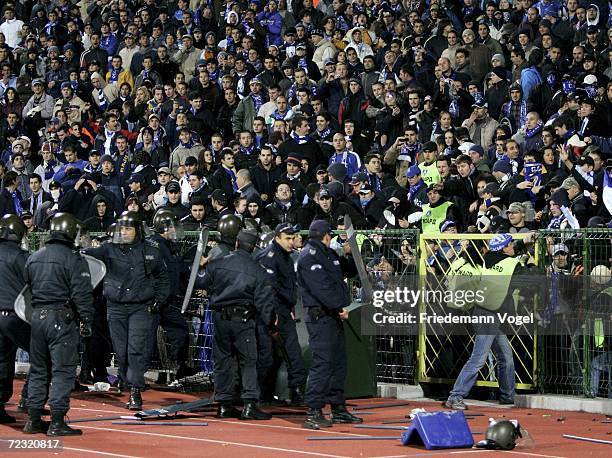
[58, 275]
[136, 273]
[238, 280]
[280, 271]
[320, 277]
[12, 265]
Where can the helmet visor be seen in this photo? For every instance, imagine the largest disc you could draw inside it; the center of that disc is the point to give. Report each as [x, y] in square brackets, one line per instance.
[125, 233]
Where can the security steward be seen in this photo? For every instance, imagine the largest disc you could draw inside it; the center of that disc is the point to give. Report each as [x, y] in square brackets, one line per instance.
[168, 230]
[136, 287]
[239, 290]
[276, 261]
[14, 333]
[502, 274]
[320, 274]
[62, 296]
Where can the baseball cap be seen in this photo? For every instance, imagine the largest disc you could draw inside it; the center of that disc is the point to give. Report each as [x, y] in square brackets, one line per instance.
[136, 178]
[106, 158]
[499, 242]
[319, 228]
[359, 177]
[187, 35]
[294, 160]
[324, 192]
[318, 32]
[446, 224]
[255, 79]
[153, 115]
[589, 79]
[286, 228]
[365, 188]
[560, 247]
[37, 81]
[218, 194]
[430, 146]
[480, 104]
[173, 186]
[165, 170]
[413, 171]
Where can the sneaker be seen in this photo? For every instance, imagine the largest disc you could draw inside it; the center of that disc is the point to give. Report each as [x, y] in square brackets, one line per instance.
[506, 402]
[316, 420]
[341, 415]
[456, 404]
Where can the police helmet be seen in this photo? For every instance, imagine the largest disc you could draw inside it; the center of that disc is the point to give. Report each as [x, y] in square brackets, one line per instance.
[229, 226]
[64, 228]
[12, 228]
[167, 222]
[128, 219]
[502, 435]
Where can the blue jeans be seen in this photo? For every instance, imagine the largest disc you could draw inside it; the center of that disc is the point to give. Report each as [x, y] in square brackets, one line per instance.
[505, 367]
[599, 364]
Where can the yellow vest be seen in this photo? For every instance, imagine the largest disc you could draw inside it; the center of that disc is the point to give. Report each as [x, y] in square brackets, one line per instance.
[430, 174]
[463, 277]
[433, 217]
[495, 282]
[598, 327]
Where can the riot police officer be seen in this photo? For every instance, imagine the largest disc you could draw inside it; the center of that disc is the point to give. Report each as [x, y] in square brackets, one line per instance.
[136, 286]
[14, 333]
[168, 230]
[277, 262]
[238, 291]
[60, 282]
[228, 227]
[320, 273]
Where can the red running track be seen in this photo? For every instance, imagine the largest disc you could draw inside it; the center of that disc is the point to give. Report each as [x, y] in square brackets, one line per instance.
[284, 435]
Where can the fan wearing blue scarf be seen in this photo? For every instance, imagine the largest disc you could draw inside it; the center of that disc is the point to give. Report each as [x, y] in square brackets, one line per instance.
[116, 75]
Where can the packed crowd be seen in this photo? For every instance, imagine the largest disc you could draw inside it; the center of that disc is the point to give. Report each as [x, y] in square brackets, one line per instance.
[479, 116]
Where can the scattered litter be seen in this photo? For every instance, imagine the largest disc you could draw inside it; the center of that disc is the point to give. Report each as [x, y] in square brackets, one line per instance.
[561, 419]
[381, 406]
[413, 413]
[160, 423]
[100, 387]
[352, 438]
[587, 439]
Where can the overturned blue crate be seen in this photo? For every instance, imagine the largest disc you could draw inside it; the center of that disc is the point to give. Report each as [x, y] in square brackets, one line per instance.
[439, 430]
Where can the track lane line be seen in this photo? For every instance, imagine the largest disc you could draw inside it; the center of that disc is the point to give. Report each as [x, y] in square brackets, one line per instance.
[213, 441]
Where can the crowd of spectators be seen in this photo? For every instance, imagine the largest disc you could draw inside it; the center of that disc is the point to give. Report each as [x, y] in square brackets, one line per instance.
[483, 116]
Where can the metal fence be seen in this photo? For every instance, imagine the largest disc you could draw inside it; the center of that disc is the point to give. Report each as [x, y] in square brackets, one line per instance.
[575, 360]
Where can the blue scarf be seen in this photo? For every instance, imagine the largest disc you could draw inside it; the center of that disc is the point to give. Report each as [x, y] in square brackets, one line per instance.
[555, 223]
[189, 144]
[278, 115]
[413, 189]
[232, 177]
[17, 202]
[114, 76]
[453, 108]
[410, 152]
[303, 63]
[258, 100]
[49, 171]
[531, 132]
[522, 112]
[49, 27]
[247, 151]
[74, 85]
[102, 100]
[374, 182]
[324, 133]
[299, 139]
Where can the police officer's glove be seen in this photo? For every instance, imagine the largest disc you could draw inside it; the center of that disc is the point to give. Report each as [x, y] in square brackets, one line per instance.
[85, 329]
[156, 307]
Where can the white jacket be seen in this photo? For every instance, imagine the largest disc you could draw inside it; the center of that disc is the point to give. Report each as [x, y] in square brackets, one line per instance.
[11, 30]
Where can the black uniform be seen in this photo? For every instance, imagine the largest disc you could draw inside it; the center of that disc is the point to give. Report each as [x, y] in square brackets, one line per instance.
[279, 267]
[61, 294]
[324, 294]
[238, 290]
[14, 332]
[136, 278]
[170, 318]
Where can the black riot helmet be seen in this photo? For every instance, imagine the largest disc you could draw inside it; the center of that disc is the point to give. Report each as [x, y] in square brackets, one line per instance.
[167, 222]
[229, 226]
[64, 228]
[502, 435]
[128, 220]
[12, 228]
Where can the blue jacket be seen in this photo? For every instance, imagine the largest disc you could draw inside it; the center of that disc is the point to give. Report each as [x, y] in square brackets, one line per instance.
[352, 162]
[530, 78]
[61, 173]
[273, 23]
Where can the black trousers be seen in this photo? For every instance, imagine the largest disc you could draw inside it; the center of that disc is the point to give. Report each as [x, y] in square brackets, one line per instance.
[177, 333]
[328, 371]
[234, 339]
[14, 333]
[53, 350]
[266, 364]
[130, 326]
